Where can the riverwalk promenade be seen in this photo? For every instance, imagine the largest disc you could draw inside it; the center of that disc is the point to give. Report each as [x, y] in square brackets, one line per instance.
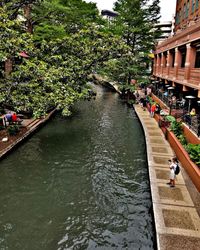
[176, 210]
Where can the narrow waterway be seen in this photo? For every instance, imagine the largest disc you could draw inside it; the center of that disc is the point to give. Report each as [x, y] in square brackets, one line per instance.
[79, 183]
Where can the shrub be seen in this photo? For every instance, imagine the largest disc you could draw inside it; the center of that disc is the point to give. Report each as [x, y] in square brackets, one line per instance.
[177, 129]
[170, 118]
[194, 153]
[182, 140]
[13, 129]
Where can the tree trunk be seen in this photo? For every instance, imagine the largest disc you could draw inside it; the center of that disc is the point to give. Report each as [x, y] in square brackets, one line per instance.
[8, 67]
[27, 14]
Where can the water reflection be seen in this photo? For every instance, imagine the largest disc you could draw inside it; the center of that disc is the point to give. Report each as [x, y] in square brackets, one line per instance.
[79, 183]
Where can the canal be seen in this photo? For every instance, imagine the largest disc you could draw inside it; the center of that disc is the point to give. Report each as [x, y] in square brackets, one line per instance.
[79, 183]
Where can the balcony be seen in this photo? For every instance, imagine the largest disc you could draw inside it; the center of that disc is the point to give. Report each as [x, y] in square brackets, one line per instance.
[165, 71]
[171, 72]
[181, 74]
[194, 76]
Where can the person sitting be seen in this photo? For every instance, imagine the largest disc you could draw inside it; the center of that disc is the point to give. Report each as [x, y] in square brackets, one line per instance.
[14, 117]
[8, 117]
[181, 102]
[193, 112]
[192, 116]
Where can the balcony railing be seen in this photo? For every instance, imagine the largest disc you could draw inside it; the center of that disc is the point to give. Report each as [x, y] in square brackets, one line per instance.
[195, 75]
[180, 112]
[165, 71]
[171, 72]
[181, 74]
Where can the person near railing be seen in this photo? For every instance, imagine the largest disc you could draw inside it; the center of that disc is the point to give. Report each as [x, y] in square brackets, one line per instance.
[181, 103]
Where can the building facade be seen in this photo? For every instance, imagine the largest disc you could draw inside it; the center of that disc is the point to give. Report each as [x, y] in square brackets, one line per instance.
[177, 59]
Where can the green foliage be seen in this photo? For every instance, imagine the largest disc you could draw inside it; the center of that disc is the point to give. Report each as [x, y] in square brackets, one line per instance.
[13, 129]
[194, 152]
[176, 127]
[170, 118]
[130, 88]
[182, 139]
[55, 74]
[57, 18]
[13, 39]
[67, 45]
[135, 24]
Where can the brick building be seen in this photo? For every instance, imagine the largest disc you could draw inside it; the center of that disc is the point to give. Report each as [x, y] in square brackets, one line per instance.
[177, 59]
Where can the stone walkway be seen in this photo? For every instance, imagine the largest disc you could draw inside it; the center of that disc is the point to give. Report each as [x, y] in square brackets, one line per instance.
[176, 210]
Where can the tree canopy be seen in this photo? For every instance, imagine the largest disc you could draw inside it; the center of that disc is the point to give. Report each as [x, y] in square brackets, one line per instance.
[136, 25]
[65, 42]
[55, 74]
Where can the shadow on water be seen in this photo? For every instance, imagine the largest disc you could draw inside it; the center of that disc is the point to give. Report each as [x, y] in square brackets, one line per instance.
[79, 183]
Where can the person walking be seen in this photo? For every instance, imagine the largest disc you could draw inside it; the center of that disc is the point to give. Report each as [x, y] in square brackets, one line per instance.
[153, 109]
[173, 163]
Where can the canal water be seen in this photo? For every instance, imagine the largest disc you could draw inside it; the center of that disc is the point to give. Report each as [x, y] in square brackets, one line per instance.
[79, 183]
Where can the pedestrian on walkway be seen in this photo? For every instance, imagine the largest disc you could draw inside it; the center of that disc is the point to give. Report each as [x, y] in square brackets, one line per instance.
[153, 109]
[172, 175]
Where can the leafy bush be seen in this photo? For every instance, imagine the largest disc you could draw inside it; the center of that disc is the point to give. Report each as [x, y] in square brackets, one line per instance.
[192, 149]
[194, 153]
[182, 139]
[170, 118]
[177, 129]
[13, 129]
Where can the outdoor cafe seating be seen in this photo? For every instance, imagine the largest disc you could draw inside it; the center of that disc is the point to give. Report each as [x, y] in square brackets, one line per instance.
[10, 118]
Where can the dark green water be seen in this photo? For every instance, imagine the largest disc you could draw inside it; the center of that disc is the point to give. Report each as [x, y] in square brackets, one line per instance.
[79, 183]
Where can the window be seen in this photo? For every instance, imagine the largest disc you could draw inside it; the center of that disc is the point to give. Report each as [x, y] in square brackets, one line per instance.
[187, 9]
[178, 18]
[183, 57]
[197, 60]
[197, 4]
[184, 11]
[193, 6]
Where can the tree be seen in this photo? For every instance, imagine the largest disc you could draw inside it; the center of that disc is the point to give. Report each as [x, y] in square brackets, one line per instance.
[135, 23]
[57, 18]
[55, 74]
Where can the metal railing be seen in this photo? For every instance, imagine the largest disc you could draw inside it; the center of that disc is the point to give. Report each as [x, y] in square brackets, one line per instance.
[180, 113]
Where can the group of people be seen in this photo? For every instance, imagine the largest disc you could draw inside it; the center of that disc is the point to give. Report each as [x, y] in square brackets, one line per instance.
[155, 108]
[10, 118]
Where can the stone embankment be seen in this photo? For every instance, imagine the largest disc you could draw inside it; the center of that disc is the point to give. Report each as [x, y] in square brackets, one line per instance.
[105, 82]
[176, 210]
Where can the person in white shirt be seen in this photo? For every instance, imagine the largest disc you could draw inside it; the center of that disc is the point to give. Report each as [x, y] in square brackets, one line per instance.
[172, 176]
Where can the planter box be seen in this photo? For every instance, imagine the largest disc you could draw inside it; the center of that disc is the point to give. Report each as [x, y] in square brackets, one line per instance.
[190, 136]
[190, 167]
